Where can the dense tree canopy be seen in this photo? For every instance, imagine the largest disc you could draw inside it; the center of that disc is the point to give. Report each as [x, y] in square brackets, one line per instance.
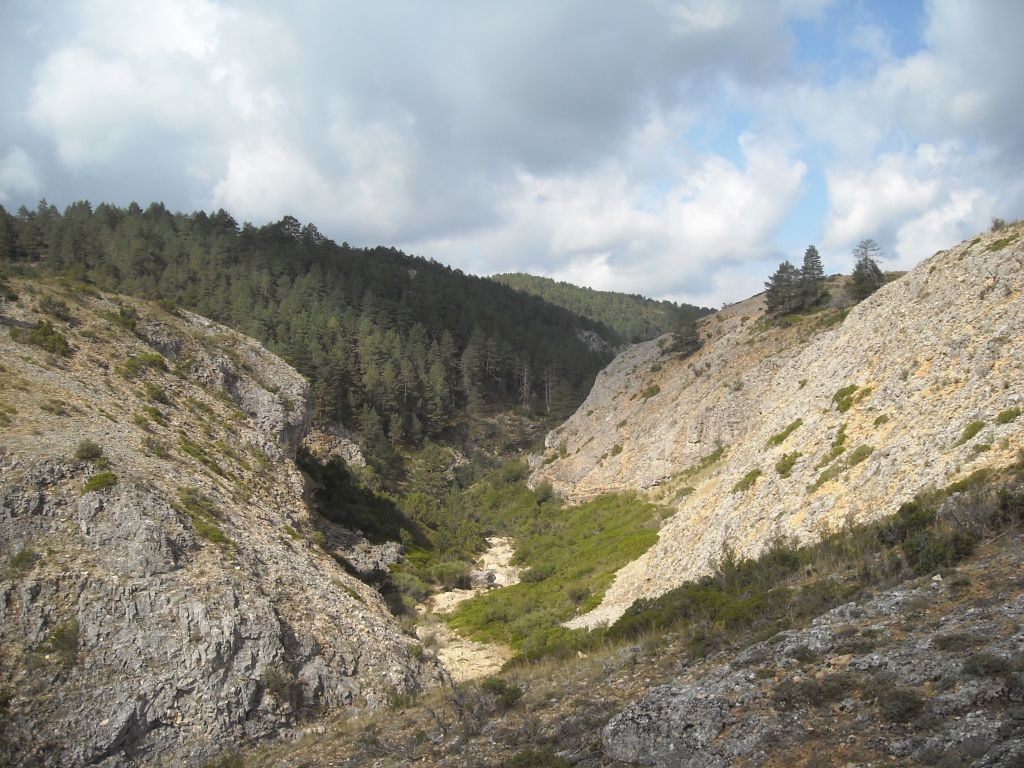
[632, 317]
[397, 346]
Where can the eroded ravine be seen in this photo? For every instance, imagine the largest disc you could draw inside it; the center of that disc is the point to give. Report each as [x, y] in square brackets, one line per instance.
[467, 659]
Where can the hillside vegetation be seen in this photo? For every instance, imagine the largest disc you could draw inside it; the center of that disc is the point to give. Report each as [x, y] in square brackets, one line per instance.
[632, 317]
[400, 348]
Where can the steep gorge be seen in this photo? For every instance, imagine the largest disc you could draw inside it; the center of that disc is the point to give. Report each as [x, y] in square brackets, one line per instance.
[796, 428]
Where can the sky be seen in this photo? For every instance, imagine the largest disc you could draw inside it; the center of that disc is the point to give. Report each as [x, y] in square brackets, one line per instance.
[675, 148]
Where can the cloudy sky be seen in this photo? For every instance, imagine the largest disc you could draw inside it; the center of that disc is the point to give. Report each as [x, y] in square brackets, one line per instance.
[676, 148]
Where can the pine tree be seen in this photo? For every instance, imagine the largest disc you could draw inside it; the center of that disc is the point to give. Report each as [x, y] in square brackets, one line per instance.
[812, 278]
[867, 277]
[782, 293]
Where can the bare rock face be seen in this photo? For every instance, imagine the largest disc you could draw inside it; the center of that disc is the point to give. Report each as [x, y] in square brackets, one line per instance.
[268, 390]
[793, 429]
[180, 606]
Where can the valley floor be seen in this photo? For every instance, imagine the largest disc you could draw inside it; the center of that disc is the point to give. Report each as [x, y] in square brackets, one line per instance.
[927, 673]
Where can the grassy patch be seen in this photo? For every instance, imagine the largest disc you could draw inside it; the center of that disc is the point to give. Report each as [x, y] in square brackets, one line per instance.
[780, 438]
[616, 449]
[881, 419]
[203, 515]
[1000, 243]
[746, 482]
[198, 452]
[784, 466]
[572, 552]
[843, 397]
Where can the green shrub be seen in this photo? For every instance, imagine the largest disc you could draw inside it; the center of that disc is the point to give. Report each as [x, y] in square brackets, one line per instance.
[100, 482]
[858, 455]
[198, 452]
[44, 336]
[453, 574]
[282, 685]
[136, 364]
[970, 431]
[1008, 416]
[929, 550]
[746, 482]
[901, 705]
[780, 438]
[784, 466]
[1000, 243]
[987, 665]
[56, 307]
[88, 450]
[881, 419]
[650, 391]
[616, 449]
[838, 446]
[156, 394]
[506, 695]
[843, 398]
[126, 317]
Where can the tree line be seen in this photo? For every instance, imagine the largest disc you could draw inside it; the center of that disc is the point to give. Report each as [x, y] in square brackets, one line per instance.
[791, 289]
[399, 347]
[632, 317]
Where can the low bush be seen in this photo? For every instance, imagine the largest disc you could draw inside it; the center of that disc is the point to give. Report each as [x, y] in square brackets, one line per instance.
[746, 482]
[100, 482]
[970, 431]
[784, 466]
[843, 397]
[88, 450]
[1008, 416]
[44, 336]
[135, 365]
[780, 438]
[858, 455]
[51, 305]
[650, 391]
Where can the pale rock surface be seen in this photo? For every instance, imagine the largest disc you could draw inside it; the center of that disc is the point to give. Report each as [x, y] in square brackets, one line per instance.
[127, 637]
[928, 354]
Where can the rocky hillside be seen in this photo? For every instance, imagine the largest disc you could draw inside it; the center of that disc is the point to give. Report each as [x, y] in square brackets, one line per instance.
[795, 428]
[164, 593]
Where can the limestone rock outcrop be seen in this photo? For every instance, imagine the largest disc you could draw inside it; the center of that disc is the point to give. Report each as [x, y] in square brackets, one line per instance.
[162, 593]
[795, 428]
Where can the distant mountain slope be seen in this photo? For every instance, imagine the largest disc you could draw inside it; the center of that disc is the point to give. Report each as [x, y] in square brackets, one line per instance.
[400, 347]
[164, 588]
[633, 317]
[793, 428]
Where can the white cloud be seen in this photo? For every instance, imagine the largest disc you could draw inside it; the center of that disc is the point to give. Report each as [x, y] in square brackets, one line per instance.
[18, 175]
[658, 159]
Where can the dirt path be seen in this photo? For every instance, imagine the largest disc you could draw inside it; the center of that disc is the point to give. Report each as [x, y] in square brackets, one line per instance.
[466, 659]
